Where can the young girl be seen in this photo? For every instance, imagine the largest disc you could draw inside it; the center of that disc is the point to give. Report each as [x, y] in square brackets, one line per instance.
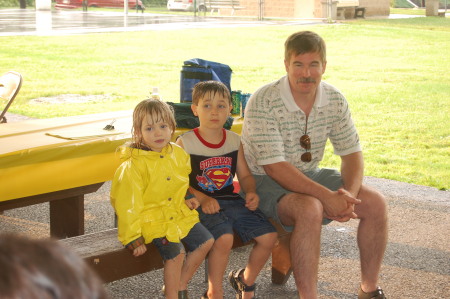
[148, 194]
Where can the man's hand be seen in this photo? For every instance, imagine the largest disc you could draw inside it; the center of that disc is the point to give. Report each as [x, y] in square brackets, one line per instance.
[251, 201]
[210, 206]
[192, 203]
[341, 206]
[140, 250]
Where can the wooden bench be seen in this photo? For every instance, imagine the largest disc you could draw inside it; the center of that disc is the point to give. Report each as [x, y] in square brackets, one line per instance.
[108, 257]
[345, 7]
[216, 5]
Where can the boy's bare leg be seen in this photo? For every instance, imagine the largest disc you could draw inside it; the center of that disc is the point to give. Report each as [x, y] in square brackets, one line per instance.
[258, 257]
[217, 263]
[193, 261]
[172, 274]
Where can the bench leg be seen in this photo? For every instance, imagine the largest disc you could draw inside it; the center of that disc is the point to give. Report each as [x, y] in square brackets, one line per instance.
[67, 217]
[281, 260]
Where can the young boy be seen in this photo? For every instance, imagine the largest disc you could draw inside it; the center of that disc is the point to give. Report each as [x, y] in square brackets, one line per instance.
[216, 156]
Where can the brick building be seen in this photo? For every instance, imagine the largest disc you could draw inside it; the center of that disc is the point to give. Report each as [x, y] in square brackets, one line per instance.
[306, 9]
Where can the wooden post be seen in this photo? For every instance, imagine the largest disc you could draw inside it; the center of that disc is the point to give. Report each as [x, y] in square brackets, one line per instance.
[67, 217]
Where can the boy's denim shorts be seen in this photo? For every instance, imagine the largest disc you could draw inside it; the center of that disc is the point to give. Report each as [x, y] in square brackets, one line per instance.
[270, 192]
[234, 216]
[197, 236]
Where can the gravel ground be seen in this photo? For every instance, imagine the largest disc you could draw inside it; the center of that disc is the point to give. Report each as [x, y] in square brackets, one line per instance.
[416, 264]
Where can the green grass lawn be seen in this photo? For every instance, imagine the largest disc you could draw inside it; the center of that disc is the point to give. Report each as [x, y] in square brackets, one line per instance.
[395, 74]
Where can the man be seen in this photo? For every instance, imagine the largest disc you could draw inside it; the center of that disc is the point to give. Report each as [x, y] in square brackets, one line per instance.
[287, 124]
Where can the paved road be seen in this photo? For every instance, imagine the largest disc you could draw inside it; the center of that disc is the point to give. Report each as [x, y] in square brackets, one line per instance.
[62, 22]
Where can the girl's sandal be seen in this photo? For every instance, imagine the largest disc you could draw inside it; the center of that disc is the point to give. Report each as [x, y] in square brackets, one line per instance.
[377, 294]
[235, 278]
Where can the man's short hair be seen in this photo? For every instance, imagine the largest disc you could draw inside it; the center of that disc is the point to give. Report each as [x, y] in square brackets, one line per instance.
[304, 42]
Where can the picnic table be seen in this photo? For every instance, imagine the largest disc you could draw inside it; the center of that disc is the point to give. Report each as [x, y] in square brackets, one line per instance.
[59, 160]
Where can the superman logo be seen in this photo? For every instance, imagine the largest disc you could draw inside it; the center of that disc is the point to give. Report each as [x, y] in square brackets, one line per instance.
[218, 176]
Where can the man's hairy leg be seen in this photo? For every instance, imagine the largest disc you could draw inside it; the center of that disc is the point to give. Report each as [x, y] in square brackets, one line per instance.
[305, 213]
[372, 235]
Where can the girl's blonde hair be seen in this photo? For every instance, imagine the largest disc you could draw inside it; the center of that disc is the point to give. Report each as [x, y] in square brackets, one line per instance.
[158, 111]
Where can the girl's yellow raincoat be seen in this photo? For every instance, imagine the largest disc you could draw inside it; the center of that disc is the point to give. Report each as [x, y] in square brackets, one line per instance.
[148, 193]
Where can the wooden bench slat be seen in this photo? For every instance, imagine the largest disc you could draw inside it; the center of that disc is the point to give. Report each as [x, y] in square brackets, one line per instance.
[108, 257]
[111, 261]
[95, 244]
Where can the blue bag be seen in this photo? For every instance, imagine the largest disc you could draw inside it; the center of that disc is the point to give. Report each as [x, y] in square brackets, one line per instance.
[196, 70]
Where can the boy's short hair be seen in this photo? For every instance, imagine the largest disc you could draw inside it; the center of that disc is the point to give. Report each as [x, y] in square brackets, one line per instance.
[204, 87]
[305, 42]
[158, 111]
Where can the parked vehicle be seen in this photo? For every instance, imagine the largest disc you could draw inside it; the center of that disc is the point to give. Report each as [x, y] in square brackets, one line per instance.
[99, 3]
[186, 5]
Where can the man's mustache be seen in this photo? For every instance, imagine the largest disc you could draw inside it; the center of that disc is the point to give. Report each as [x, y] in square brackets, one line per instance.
[306, 80]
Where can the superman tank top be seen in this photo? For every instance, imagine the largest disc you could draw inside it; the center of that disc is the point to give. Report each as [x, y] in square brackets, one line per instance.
[213, 165]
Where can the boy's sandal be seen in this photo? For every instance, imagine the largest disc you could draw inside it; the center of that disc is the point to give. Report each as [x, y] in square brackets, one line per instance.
[183, 294]
[238, 285]
[377, 294]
